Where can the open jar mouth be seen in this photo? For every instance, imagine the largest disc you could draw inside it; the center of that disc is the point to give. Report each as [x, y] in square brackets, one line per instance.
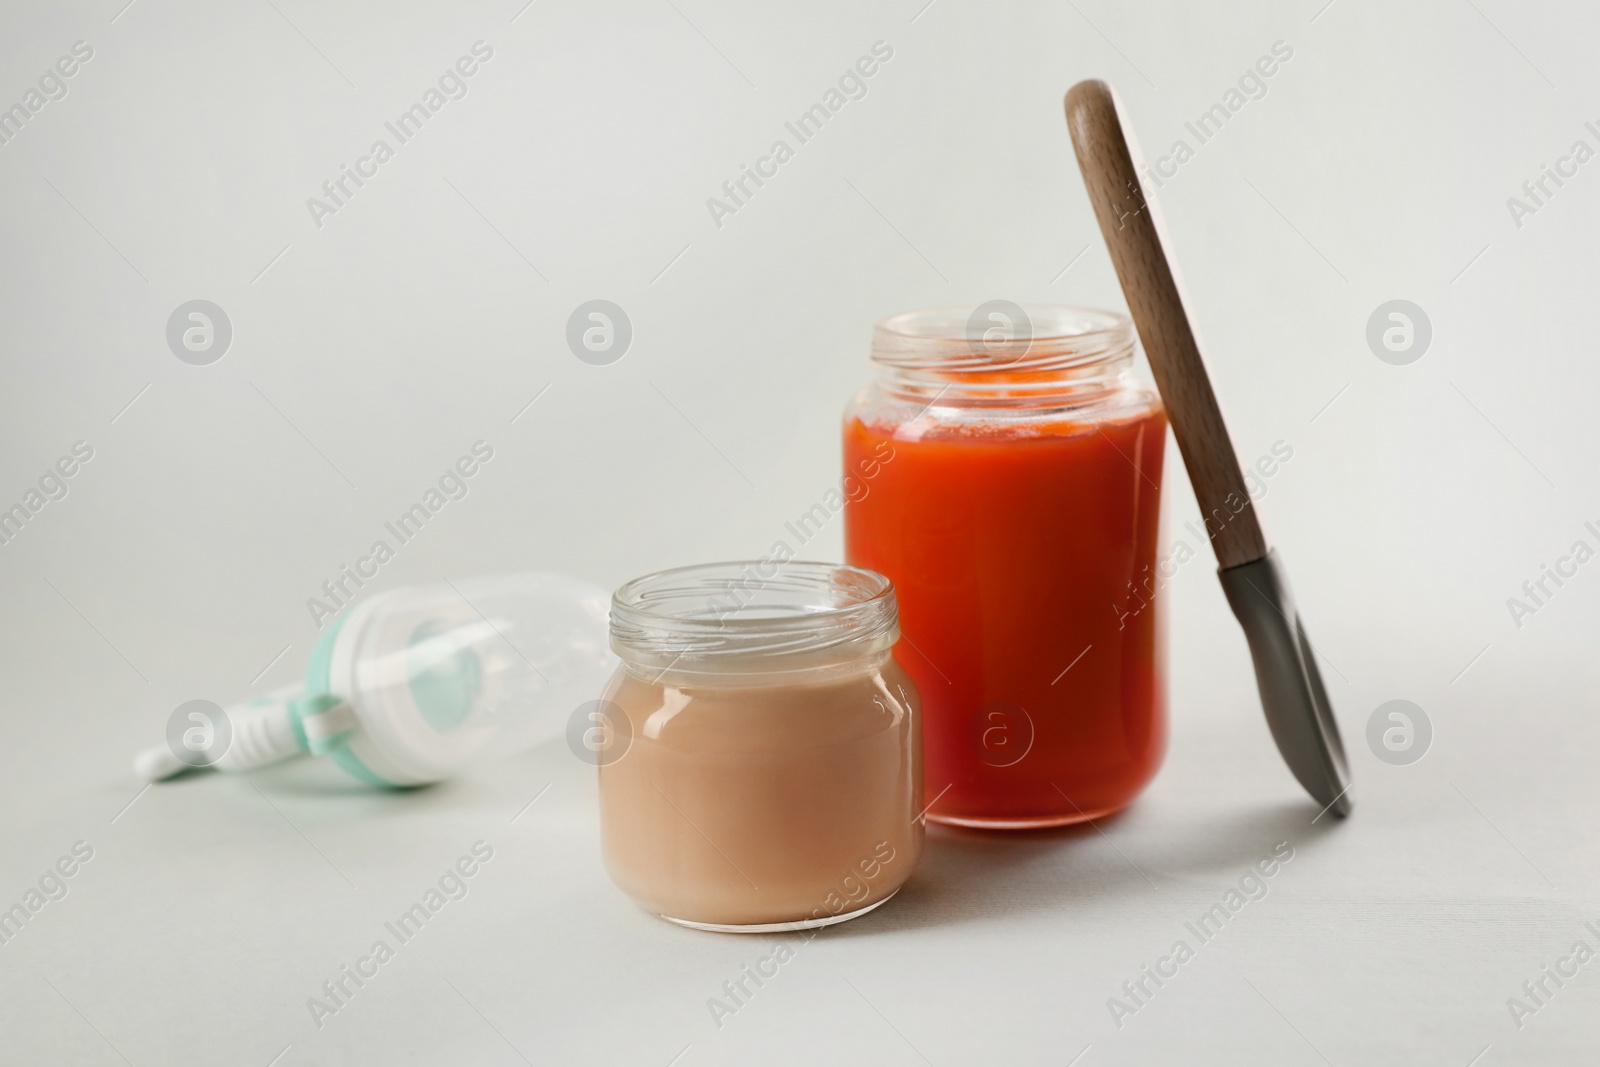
[1003, 353]
[752, 617]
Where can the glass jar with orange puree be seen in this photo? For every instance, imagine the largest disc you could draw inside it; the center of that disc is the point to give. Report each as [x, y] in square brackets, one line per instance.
[1014, 503]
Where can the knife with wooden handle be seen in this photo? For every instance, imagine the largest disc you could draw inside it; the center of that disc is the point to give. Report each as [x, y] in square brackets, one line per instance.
[1292, 694]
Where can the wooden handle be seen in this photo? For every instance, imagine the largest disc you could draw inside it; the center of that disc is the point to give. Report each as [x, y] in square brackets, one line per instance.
[1148, 284]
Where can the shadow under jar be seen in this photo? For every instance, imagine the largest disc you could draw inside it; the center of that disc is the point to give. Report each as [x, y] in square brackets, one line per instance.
[1010, 487]
[772, 771]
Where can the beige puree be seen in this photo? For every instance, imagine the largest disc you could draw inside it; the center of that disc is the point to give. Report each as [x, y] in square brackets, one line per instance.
[765, 800]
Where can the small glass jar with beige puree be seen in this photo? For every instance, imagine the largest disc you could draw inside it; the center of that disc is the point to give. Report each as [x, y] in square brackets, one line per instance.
[769, 770]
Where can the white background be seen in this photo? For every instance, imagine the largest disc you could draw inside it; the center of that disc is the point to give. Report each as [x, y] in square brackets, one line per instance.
[370, 352]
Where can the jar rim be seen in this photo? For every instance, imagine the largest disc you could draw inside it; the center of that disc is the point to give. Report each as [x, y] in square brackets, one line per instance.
[743, 614]
[1029, 358]
[999, 336]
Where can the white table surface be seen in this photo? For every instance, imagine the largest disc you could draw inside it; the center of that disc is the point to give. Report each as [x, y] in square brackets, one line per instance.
[370, 352]
[214, 907]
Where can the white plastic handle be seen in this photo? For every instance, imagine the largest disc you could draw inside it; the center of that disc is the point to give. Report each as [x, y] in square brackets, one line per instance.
[261, 732]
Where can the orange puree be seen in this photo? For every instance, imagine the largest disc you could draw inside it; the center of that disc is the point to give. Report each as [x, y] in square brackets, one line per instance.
[1012, 551]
